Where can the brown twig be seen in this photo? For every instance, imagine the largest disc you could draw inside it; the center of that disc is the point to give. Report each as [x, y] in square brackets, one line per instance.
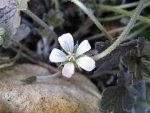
[43, 64]
[22, 47]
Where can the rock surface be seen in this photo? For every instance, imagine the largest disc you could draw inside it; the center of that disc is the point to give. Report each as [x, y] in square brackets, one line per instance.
[57, 95]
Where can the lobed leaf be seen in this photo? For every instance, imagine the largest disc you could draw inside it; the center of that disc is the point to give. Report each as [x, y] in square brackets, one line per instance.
[120, 98]
[139, 61]
[117, 99]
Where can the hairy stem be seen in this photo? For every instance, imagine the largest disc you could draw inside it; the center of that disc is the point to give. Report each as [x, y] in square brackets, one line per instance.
[46, 77]
[124, 12]
[33, 79]
[112, 18]
[124, 33]
[127, 5]
[92, 17]
[112, 31]
[137, 32]
[101, 34]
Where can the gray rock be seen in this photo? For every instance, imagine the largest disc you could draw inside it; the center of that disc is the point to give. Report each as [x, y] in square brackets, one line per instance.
[56, 95]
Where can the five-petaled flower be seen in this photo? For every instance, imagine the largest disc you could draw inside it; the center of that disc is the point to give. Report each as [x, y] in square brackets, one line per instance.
[72, 56]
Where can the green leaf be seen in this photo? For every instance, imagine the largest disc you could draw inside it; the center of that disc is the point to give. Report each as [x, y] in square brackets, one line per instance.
[130, 60]
[124, 78]
[125, 96]
[145, 67]
[117, 99]
[29, 80]
[142, 105]
[146, 49]
[139, 61]
[145, 34]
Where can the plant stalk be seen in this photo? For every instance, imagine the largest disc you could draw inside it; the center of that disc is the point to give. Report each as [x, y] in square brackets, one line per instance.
[92, 17]
[124, 12]
[124, 33]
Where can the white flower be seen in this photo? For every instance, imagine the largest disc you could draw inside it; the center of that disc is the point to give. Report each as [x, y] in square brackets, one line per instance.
[72, 56]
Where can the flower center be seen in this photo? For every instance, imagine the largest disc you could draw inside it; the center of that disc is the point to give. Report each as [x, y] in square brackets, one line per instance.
[71, 56]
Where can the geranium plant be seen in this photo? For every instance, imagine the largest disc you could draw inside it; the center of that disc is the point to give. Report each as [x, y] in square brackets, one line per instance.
[129, 92]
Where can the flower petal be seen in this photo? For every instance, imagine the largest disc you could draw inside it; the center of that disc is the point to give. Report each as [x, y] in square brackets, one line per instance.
[83, 47]
[66, 42]
[68, 70]
[57, 56]
[87, 63]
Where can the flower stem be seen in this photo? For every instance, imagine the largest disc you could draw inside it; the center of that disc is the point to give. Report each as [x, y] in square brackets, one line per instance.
[121, 7]
[124, 33]
[46, 77]
[137, 32]
[112, 31]
[102, 34]
[41, 23]
[92, 17]
[127, 5]
[124, 12]
[112, 18]
[32, 79]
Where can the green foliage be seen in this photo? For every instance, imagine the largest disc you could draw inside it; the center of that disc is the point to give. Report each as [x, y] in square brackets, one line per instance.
[29, 80]
[131, 92]
[145, 34]
[139, 61]
[54, 18]
[121, 97]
